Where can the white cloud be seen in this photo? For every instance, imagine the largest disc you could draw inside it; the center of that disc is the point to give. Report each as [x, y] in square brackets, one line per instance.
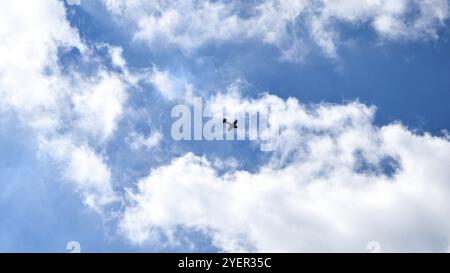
[192, 24]
[86, 169]
[27, 52]
[65, 111]
[138, 141]
[116, 56]
[99, 105]
[336, 183]
[171, 87]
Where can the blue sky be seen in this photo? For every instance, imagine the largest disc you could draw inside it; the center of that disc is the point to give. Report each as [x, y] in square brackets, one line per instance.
[367, 119]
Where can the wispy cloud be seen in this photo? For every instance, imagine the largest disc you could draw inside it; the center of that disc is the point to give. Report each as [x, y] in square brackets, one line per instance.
[286, 24]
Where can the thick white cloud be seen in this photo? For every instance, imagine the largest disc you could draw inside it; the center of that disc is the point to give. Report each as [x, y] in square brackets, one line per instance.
[285, 24]
[29, 43]
[65, 111]
[336, 183]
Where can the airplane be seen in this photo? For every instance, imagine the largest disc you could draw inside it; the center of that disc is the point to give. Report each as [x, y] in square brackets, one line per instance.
[231, 126]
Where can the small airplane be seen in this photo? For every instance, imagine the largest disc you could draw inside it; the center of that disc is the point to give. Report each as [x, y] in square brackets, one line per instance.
[231, 126]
